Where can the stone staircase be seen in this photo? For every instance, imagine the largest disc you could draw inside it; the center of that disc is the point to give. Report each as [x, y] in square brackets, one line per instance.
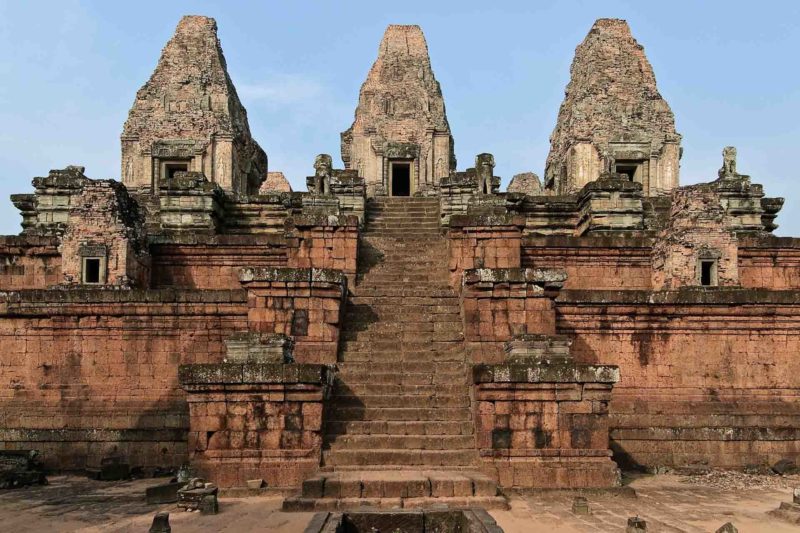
[399, 426]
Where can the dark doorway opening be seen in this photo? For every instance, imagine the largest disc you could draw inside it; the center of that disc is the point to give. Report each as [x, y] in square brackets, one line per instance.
[708, 273]
[172, 168]
[628, 171]
[401, 179]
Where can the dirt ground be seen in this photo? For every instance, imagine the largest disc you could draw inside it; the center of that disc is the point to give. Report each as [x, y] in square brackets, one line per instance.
[667, 502]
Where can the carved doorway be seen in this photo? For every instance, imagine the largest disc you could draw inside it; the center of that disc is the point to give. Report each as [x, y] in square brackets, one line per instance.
[400, 178]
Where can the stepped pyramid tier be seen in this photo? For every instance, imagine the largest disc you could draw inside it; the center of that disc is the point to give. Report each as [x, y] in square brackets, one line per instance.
[613, 119]
[400, 141]
[188, 117]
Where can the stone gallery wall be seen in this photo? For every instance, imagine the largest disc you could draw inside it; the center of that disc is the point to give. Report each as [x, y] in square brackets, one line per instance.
[89, 373]
[707, 377]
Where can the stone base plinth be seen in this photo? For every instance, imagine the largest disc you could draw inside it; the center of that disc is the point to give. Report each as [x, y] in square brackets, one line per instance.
[255, 421]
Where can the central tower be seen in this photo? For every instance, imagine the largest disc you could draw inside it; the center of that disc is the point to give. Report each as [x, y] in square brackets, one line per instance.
[400, 141]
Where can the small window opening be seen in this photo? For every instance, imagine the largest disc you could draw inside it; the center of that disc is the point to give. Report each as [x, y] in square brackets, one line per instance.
[92, 269]
[172, 168]
[627, 170]
[708, 273]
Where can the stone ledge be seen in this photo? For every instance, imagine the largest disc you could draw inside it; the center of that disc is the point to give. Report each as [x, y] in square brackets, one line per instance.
[92, 435]
[82, 295]
[551, 373]
[688, 295]
[721, 433]
[195, 375]
[612, 240]
[462, 221]
[308, 275]
[322, 221]
[547, 277]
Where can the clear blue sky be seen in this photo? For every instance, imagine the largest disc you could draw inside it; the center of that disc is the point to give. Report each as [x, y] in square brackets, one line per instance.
[728, 69]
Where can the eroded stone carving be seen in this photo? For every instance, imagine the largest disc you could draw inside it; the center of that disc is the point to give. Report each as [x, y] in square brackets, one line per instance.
[613, 118]
[400, 105]
[189, 117]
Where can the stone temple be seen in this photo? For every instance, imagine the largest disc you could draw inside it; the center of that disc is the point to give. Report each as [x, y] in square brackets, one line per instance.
[402, 333]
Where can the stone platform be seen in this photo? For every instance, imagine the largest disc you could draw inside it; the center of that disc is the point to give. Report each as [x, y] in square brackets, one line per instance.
[398, 489]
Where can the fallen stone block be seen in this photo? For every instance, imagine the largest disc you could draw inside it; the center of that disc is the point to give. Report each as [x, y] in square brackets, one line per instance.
[190, 497]
[111, 469]
[580, 505]
[160, 523]
[164, 493]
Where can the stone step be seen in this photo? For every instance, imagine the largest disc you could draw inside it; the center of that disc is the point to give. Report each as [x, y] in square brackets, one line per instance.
[357, 388]
[400, 484]
[368, 401]
[393, 427]
[400, 414]
[411, 295]
[442, 335]
[300, 504]
[405, 379]
[390, 345]
[348, 370]
[400, 457]
[397, 357]
[406, 442]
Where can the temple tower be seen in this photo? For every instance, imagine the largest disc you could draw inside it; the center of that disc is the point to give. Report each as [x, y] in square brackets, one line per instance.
[188, 117]
[613, 119]
[400, 140]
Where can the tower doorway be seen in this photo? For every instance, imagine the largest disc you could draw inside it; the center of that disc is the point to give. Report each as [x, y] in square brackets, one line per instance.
[400, 177]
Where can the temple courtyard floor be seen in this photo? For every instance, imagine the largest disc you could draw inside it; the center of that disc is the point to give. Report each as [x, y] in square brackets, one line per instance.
[667, 502]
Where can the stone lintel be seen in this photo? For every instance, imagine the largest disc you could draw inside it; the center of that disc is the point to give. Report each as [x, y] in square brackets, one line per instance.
[292, 275]
[534, 372]
[322, 221]
[197, 376]
[473, 220]
[549, 278]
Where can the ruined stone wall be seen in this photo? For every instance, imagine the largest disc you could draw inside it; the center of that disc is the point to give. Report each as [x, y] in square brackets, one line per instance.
[593, 262]
[89, 373]
[214, 262]
[697, 229]
[707, 377]
[29, 262]
[769, 263]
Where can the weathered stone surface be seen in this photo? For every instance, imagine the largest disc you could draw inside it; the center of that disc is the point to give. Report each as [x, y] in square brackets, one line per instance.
[526, 183]
[400, 116]
[612, 117]
[189, 116]
[275, 182]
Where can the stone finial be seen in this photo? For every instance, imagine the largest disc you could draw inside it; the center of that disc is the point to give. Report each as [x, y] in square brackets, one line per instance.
[612, 96]
[323, 165]
[526, 183]
[727, 527]
[636, 525]
[728, 169]
[484, 167]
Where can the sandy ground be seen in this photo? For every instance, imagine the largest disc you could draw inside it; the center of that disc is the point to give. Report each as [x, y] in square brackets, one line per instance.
[667, 502]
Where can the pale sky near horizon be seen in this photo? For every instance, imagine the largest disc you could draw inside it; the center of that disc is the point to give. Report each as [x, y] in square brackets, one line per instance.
[729, 70]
